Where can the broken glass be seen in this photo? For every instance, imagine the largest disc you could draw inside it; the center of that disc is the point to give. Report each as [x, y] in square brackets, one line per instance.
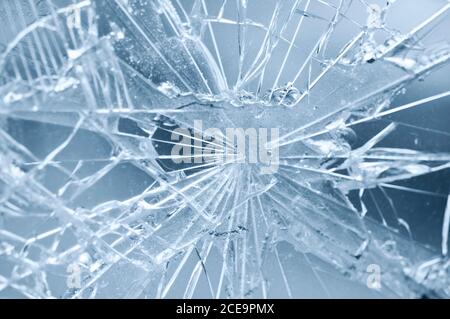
[93, 203]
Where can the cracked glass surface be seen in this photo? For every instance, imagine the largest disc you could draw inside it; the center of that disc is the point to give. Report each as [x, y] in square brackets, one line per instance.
[93, 206]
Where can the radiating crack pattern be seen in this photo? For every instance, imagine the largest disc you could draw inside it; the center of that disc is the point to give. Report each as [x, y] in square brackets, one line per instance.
[94, 205]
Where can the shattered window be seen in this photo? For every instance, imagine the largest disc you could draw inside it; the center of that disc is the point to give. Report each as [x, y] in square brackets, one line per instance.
[224, 148]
